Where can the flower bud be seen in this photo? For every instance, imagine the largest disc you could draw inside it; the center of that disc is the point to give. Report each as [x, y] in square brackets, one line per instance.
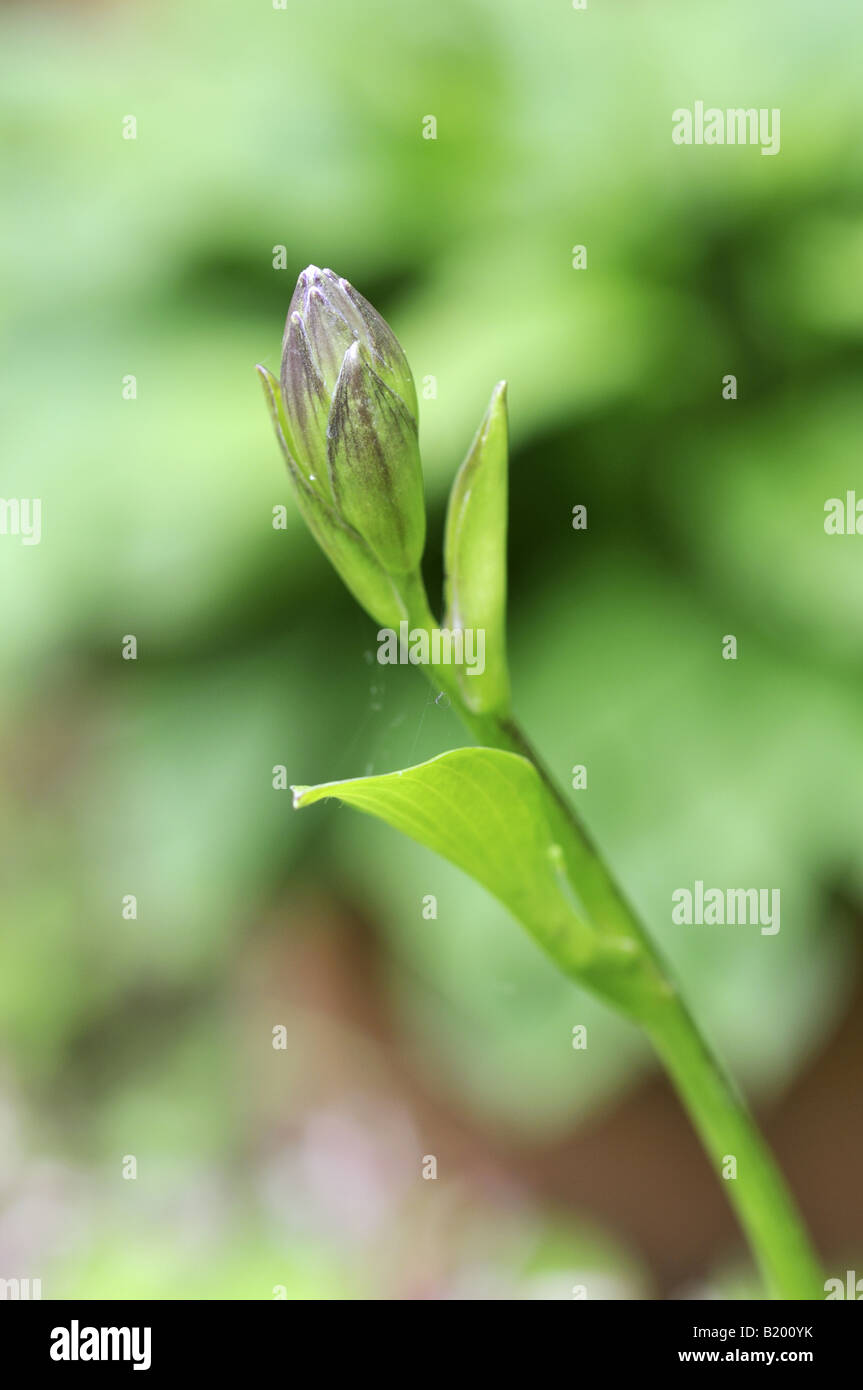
[350, 413]
[374, 464]
[349, 554]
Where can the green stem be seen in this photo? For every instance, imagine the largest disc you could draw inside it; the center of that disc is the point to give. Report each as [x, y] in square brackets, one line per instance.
[648, 994]
[756, 1188]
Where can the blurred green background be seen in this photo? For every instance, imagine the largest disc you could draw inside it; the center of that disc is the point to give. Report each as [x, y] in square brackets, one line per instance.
[299, 1170]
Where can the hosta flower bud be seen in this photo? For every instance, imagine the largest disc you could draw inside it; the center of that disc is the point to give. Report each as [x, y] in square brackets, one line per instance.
[350, 414]
[374, 464]
[349, 554]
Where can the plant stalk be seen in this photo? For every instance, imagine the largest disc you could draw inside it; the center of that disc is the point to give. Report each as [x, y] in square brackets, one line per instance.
[648, 994]
[756, 1188]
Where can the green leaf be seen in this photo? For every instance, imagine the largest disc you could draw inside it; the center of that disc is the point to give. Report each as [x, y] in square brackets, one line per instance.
[489, 813]
[475, 556]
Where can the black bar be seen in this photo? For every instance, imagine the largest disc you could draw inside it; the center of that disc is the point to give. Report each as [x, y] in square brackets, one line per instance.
[280, 1338]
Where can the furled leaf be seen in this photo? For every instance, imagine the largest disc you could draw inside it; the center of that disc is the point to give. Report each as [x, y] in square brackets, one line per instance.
[475, 555]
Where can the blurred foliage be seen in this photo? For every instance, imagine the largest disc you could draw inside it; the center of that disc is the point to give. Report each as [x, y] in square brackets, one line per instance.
[302, 128]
